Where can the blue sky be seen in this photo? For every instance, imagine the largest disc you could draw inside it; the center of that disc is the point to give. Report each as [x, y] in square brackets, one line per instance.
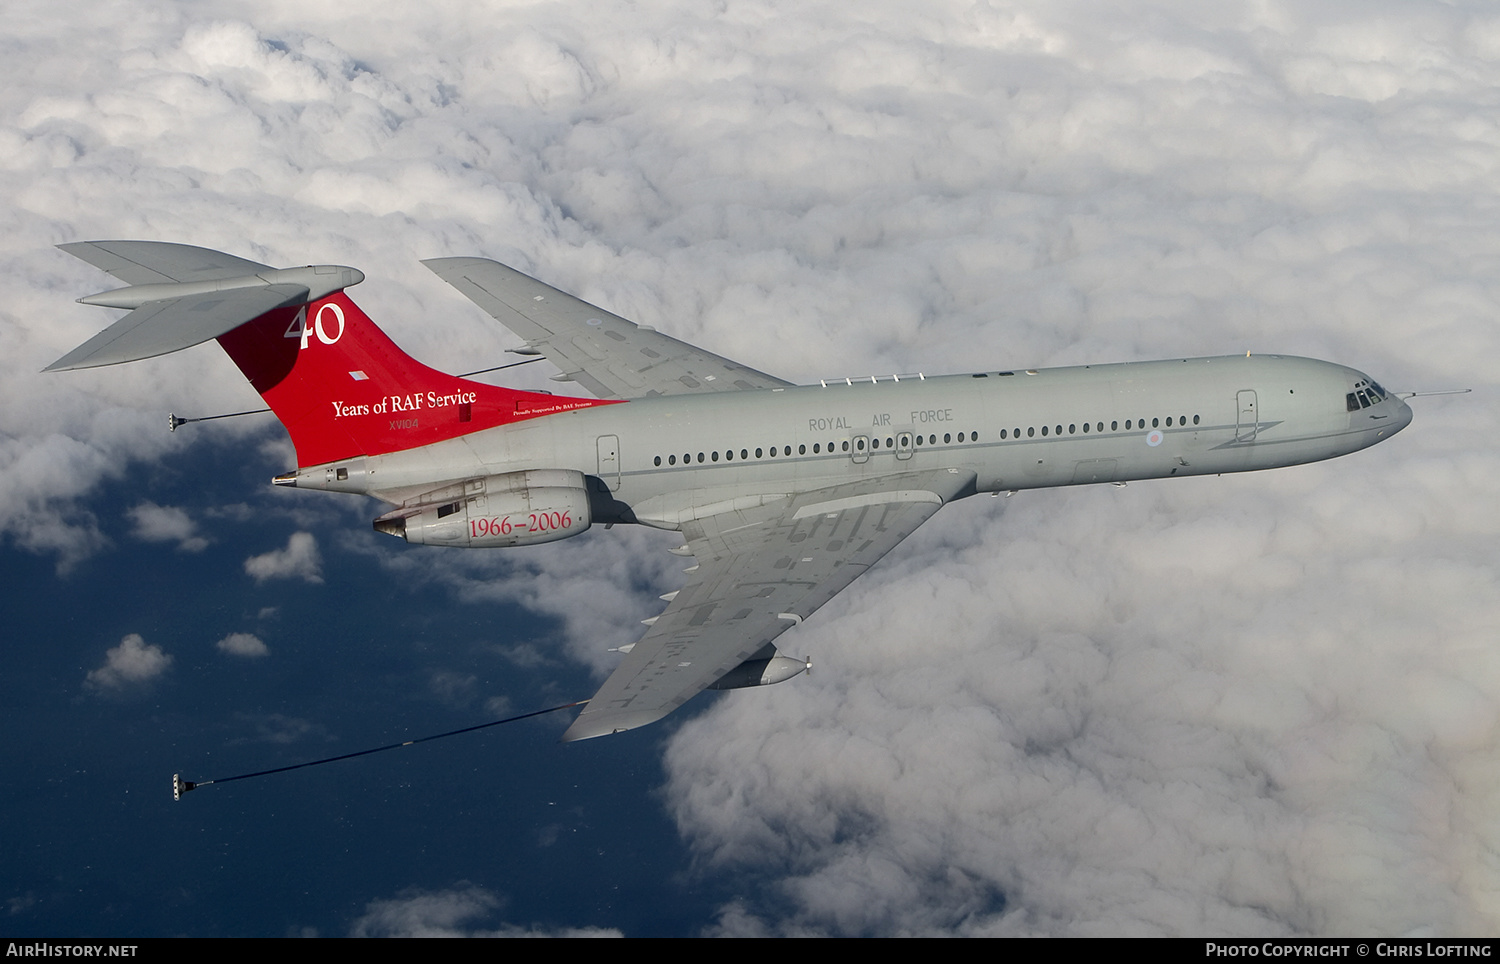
[546, 835]
[1261, 704]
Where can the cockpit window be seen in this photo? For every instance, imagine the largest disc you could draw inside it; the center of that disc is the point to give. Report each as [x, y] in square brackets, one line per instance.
[1364, 395]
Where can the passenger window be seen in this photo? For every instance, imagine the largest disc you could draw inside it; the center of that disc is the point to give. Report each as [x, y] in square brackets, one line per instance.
[1169, 421]
[760, 453]
[1085, 428]
[1072, 429]
[700, 456]
[1031, 432]
[744, 454]
[1044, 430]
[1155, 422]
[715, 456]
[947, 437]
[815, 448]
[1195, 420]
[671, 460]
[658, 460]
[1002, 434]
[787, 450]
[1115, 426]
[802, 450]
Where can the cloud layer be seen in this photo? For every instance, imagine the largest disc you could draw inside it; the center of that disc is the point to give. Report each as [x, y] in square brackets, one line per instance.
[1249, 705]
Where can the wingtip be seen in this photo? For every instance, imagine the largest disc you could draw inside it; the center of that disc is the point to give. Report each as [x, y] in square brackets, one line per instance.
[606, 723]
[439, 265]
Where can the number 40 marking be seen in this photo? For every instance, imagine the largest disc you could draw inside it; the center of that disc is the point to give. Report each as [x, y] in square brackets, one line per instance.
[299, 328]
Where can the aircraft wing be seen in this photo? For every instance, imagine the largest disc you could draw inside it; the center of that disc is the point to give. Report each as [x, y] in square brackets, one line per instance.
[609, 356]
[160, 262]
[760, 571]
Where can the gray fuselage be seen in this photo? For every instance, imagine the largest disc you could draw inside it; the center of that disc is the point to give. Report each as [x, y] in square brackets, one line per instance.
[661, 460]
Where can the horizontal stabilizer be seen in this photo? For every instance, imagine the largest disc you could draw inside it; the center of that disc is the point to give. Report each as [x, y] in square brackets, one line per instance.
[182, 295]
[159, 327]
[157, 262]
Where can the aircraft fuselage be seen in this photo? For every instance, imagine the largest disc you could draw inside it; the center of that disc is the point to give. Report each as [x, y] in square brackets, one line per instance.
[660, 459]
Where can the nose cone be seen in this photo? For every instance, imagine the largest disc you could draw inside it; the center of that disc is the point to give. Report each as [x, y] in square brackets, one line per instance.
[1402, 416]
[1385, 419]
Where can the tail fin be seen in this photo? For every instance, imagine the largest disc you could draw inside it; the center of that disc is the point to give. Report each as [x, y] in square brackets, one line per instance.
[342, 388]
[338, 384]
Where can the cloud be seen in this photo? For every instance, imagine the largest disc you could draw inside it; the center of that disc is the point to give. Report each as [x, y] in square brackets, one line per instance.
[449, 913]
[282, 729]
[299, 560]
[130, 663]
[454, 689]
[1259, 704]
[242, 644]
[156, 523]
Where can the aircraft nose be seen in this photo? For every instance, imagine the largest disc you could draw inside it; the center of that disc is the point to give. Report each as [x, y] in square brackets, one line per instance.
[1403, 415]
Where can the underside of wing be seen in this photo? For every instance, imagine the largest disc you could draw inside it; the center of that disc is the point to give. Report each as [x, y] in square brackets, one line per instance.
[609, 356]
[760, 571]
[159, 327]
[160, 262]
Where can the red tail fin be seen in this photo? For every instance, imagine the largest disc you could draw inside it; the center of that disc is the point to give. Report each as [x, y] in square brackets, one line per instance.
[342, 388]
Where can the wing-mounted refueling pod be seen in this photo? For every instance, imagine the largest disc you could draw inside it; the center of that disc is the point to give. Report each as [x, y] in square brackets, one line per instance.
[766, 667]
[189, 296]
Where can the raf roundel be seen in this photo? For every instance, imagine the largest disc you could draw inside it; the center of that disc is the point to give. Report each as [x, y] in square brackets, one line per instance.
[1154, 437]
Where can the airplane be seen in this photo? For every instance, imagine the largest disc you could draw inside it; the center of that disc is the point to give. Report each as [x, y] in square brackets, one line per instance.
[784, 494]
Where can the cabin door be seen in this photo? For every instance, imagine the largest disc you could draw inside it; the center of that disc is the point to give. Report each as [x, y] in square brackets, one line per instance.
[1248, 422]
[609, 460]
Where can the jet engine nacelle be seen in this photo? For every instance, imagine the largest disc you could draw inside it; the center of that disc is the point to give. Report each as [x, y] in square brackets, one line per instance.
[514, 509]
